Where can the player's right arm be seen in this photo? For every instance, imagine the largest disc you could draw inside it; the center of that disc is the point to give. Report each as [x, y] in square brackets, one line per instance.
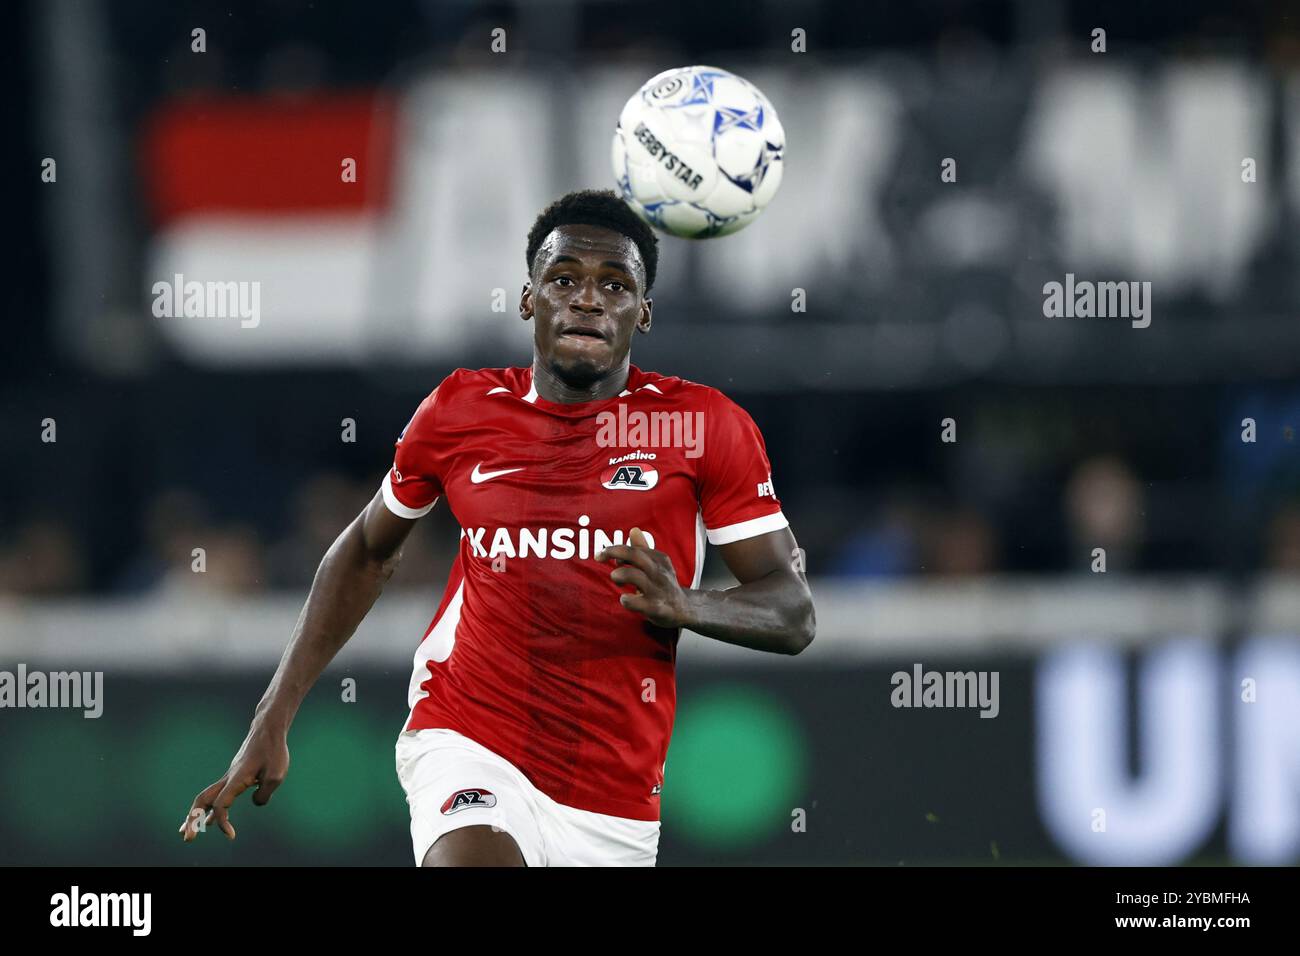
[348, 582]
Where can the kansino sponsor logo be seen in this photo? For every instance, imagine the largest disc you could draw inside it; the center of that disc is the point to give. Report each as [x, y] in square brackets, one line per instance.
[559, 543]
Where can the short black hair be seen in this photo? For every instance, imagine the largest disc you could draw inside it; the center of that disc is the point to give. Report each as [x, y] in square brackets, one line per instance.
[596, 207]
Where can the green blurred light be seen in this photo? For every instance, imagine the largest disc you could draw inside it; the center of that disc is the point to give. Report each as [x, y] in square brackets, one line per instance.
[63, 783]
[182, 750]
[341, 778]
[735, 767]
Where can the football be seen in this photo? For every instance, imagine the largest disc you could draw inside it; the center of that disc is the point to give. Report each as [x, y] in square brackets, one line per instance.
[698, 152]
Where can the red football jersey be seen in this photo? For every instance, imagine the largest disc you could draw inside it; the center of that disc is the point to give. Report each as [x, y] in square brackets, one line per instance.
[530, 652]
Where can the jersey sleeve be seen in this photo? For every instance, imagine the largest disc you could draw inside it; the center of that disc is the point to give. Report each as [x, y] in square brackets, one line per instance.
[413, 485]
[737, 498]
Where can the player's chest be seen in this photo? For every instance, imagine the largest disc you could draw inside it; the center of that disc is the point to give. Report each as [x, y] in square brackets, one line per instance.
[555, 470]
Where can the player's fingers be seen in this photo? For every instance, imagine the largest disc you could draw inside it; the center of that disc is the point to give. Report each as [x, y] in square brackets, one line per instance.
[221, 817]
[641, 545]
[208, 794]
[199, 809]
[221, 806]
[266, 787]
[193, 824]
[639, 557]
[197, 823]
[626, 574]
[615, 552]
[637, 603]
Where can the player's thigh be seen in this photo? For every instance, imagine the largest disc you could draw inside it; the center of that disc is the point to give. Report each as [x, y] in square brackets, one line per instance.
[453, 784]
[475, 846]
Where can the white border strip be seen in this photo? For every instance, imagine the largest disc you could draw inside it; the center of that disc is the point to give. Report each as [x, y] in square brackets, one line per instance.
[186, 629]
[748, 529]
[396, 507]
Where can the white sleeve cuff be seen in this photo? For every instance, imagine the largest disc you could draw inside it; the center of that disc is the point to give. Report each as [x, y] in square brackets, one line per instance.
[747, 529]
[396, 507]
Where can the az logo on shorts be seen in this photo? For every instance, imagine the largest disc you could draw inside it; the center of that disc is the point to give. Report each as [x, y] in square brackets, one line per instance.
[465, 799]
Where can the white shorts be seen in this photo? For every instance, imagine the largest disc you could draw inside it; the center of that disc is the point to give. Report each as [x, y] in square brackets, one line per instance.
[452, 782]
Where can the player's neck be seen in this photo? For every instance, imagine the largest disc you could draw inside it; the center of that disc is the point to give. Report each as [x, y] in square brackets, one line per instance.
[553, 388]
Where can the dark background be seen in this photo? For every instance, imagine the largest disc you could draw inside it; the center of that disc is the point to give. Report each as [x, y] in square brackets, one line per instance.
[1073, 433]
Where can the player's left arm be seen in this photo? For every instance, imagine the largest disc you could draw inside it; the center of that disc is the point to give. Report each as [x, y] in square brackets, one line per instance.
[770, 610]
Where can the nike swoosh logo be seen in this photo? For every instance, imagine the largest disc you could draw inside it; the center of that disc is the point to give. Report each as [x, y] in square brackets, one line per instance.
[478, 477]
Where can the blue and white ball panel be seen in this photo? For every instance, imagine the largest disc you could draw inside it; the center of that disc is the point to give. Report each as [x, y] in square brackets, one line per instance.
[718, 125]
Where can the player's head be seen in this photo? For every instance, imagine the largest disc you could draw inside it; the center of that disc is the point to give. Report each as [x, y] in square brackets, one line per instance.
[591, 263]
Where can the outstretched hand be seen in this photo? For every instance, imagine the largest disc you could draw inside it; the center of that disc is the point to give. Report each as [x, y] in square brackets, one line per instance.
[262, 762]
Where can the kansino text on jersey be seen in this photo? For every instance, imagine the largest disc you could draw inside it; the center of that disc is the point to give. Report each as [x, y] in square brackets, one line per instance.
[560, 543]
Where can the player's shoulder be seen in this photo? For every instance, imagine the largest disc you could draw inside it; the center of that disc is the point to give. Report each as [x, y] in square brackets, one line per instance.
[466, 386]
[454, 400]
[689, 394]
[479, 381]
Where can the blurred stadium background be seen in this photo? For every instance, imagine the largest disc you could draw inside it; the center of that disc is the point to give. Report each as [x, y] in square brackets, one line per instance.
[1121, 691]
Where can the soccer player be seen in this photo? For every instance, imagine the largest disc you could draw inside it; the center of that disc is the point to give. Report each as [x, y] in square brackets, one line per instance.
[543, 693]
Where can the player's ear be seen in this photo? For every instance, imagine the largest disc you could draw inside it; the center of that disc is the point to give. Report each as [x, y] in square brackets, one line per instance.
[643, 320]
[526, 301]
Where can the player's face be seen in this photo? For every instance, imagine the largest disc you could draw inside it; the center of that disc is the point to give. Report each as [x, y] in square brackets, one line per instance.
[586, 298]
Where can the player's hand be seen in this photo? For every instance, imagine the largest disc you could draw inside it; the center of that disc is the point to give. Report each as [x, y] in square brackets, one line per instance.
[658, 597]
[262, 762]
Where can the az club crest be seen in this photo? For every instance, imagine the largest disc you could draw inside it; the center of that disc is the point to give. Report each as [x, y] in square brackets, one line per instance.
[465, 799]
[630, 477]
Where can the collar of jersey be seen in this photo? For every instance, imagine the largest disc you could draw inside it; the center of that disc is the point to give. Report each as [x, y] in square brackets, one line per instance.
[635, 378]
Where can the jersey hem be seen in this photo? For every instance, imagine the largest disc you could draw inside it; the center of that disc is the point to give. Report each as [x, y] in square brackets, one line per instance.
[622, 809]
